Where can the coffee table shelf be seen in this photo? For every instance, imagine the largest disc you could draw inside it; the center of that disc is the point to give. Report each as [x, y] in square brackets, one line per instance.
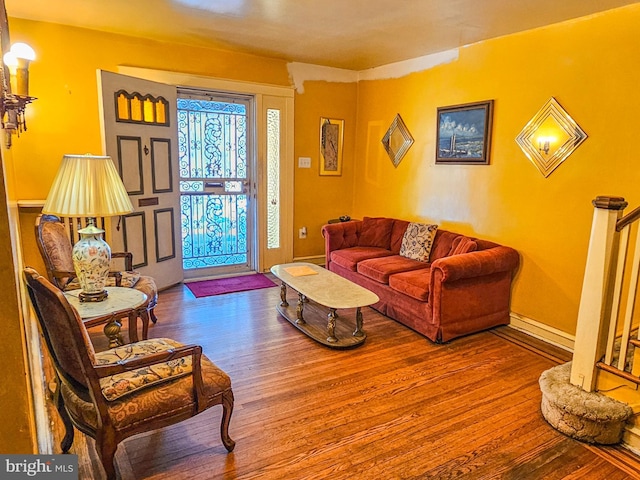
[320, 290]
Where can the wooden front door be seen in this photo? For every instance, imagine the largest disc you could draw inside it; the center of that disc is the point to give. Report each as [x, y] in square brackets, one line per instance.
[140, 135]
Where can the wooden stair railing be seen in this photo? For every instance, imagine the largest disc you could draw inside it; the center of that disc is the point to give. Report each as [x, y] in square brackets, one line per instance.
[625, 339]
[605, 329]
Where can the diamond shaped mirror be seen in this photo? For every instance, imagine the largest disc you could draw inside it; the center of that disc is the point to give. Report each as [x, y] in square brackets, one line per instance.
[397, 140]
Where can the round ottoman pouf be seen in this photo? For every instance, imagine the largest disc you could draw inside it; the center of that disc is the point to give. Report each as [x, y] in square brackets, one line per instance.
[587, 416]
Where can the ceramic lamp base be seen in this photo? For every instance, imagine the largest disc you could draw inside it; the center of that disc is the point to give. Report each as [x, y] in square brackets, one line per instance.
[91, 260]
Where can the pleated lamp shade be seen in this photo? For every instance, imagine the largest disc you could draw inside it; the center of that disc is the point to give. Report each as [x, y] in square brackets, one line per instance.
[87, 186]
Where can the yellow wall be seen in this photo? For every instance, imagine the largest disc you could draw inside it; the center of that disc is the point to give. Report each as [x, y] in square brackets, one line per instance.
[17, 433]
[589, 66]
[65, 117]
[586, 64]
[318, 199]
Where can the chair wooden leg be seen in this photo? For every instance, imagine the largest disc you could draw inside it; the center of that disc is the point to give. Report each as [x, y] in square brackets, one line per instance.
[154, 319]
[227, 410]
[133, 327]
[67, 441]
[106, 447]
[144, 315]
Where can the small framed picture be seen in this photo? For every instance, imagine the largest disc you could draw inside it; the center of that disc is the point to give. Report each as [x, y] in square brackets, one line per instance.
[331, 138]
[464, 133]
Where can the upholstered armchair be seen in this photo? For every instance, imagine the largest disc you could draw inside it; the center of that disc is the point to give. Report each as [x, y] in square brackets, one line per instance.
[126, 390]
[55, 247]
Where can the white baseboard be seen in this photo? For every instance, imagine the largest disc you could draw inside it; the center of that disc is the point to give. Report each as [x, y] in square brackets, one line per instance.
[631, 440]
[543, 332]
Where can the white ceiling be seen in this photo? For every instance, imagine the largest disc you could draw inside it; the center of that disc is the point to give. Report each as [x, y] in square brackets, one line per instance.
[352, 34]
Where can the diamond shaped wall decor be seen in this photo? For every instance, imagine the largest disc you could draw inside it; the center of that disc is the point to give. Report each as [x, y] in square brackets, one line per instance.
[397, 140]
[550, 137]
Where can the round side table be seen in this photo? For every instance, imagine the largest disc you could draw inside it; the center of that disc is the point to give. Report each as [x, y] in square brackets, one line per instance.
[122, 301]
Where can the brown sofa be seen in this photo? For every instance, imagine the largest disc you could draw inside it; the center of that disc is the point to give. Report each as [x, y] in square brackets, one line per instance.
[465, 286]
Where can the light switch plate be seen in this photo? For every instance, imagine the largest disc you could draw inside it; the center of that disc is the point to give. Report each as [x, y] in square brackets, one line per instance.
[304, 162]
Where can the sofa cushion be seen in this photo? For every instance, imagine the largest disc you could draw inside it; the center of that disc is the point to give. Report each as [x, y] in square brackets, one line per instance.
[417, 241]
[127, 280]
[379, 269]
[414, 283]
[397, 234]
[376, 232]
[120, 384]
[442, 244]
[463, 244]
[142, 404]
[349, 257]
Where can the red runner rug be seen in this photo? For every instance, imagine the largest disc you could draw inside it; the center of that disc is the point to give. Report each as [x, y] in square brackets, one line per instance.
[219, 286]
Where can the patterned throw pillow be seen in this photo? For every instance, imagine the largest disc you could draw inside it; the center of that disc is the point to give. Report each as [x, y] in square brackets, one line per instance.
[417, 241]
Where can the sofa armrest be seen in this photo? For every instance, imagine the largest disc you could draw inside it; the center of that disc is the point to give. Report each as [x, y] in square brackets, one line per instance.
[340, 235]
[475, 264]
[471, 291]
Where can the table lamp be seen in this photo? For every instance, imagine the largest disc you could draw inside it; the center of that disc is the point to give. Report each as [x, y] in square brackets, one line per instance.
[89, 186]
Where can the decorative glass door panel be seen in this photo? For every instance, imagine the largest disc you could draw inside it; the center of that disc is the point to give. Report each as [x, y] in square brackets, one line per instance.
[273, 178]
[276, 144]
[215, 197]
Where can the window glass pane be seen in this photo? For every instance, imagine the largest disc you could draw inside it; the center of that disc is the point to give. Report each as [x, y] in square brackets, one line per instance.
[234, 187]
[191, 186]
[161, 116]
[214, 230]
[212, 154]
[273, 178]
[136, 109]
[149, 109]
[122, 107]
[212, 139]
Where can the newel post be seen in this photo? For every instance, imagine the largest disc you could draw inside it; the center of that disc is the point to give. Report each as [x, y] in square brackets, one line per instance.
[595, 301]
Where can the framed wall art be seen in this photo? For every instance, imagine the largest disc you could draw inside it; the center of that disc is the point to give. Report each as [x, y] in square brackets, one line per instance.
[464, 133]
[331, 138]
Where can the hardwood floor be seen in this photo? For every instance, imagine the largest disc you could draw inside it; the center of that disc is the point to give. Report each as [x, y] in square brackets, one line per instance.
[398, 407]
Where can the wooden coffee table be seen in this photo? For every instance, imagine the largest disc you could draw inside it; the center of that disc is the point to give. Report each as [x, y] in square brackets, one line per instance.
[319, 289]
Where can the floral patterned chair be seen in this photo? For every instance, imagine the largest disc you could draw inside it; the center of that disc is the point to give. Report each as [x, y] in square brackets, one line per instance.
[55, 247]
[126, 390]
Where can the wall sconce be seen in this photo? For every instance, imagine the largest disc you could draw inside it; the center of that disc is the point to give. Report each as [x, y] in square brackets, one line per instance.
[545, 143]
[550, 137]
[18, 59]
[15, 96]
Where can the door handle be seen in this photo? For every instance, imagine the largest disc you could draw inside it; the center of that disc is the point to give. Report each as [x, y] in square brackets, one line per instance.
[213, 184]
